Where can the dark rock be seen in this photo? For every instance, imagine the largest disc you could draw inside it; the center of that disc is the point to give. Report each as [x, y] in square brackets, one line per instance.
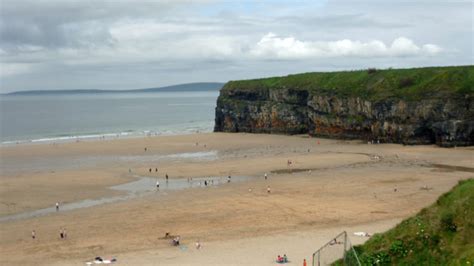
[444, 121]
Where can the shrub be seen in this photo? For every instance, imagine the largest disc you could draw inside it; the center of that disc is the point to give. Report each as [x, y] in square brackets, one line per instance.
[447, 222]
[371, 70]
[398, 249]
[406, 82]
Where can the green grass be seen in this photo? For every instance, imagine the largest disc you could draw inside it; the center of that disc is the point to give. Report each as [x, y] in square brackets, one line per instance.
[442, 234]
[409, 84]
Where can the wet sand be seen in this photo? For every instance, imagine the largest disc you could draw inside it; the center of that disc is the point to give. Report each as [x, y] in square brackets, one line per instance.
[329, 187]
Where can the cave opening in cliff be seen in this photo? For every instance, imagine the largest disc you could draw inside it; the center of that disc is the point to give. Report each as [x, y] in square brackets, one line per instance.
[425, 135]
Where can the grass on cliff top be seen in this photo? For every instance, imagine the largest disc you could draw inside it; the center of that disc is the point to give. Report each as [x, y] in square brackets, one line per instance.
[442, 234]
[410, 84]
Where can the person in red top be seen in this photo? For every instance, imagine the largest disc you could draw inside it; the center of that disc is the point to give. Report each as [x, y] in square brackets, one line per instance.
[304, 262]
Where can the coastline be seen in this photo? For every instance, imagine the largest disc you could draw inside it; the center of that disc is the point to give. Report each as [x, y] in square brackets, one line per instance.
[59, 118]
[330, 184]
[186, 130]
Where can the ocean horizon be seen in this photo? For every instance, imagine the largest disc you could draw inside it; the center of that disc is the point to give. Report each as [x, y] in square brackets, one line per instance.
[63, 117]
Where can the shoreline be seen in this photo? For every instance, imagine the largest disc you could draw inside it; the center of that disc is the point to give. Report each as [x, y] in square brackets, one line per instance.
[329, 184]
[103, 137]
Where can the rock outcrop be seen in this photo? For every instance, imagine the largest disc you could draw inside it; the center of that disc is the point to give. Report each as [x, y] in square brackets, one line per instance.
[446, 121]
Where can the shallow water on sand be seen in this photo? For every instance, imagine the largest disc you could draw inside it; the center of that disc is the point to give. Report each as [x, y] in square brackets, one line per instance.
[52, 164]
[138, 188]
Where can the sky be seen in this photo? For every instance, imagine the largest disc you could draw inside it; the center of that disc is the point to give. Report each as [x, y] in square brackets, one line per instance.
[96, 44]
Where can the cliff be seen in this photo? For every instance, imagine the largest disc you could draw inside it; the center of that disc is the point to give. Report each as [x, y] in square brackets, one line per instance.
[410, 106]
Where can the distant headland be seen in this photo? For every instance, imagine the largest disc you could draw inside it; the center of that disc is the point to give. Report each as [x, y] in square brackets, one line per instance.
[198, 86]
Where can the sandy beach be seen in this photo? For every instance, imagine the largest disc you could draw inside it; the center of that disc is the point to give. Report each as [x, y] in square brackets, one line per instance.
[330, 186]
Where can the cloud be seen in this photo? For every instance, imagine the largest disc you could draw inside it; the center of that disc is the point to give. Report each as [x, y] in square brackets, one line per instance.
[431, 49]
[70, 23]
[275, 46]
[89, 43]
[12, 69]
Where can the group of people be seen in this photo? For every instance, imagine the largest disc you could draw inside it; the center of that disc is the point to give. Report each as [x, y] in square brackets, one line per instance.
[208, 182]
[62, 234]
[175, 241]
[373, 141]
[158, 182]
[62, 231]
[197, 144]
[283, 259]
[151, 170]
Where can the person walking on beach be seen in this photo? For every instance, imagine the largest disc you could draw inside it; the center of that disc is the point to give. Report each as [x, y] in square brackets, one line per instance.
[157, 184]
[149, 170]
[268, 190]
[61, 233]
[156, 170]
[166, 176]
[266, 176]
[33, 234]
[304, 262]
[57, 206]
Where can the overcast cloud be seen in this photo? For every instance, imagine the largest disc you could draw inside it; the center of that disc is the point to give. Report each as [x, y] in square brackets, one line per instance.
[92, 44]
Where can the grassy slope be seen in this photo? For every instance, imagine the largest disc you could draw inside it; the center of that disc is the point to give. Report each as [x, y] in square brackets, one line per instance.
[442, 234]
[409, 84]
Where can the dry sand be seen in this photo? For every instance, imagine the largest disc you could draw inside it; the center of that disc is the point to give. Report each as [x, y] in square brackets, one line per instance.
[331, 186]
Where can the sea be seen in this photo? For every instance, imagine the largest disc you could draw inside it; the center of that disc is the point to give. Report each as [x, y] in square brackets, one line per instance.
[86, 116]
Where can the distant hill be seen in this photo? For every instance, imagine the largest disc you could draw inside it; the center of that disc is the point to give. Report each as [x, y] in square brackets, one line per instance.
[442, 234]
[202, 86]
[199, 86]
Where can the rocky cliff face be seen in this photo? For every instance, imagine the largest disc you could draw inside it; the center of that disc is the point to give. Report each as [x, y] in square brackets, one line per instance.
[444, 121]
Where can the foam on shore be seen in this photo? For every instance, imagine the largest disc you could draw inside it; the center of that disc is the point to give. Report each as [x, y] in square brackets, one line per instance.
[182, 129]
